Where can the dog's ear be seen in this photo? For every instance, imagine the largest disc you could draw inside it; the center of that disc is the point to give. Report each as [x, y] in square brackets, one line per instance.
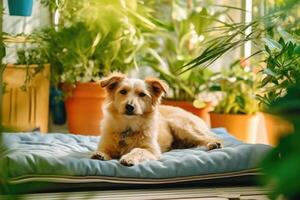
[157, 86]
[111, 82]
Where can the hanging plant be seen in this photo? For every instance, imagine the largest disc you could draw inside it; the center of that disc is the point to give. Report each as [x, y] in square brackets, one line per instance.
[20, 7]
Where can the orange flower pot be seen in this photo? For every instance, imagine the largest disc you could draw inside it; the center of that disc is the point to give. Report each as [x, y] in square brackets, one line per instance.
[243, 127]
[188, 106]
[84, 108]
[276, 127]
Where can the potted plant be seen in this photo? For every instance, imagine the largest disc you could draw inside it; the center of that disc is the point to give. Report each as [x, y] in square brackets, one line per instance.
[186, 90]
[280, 166]
[87, 48]
[181, 40]
[237, 108]
[26, 98]
[281, 72]
[20, 7]
[280, 16]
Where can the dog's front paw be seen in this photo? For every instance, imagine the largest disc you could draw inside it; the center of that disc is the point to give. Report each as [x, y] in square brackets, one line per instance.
[136, 156]
[214, 145]
[128, 160]
[100, 156]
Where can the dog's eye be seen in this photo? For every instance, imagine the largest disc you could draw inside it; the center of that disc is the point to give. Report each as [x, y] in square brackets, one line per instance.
[142, 94]
[123, 92]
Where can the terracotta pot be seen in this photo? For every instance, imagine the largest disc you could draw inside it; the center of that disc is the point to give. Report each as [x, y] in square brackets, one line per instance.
[188, 106]
[84, 108]
[276, 127]
[243, 127]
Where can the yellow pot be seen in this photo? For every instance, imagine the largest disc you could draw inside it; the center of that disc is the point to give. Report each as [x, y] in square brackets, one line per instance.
[26, 110]
[203, 113]
[276, 127]
[243, 127]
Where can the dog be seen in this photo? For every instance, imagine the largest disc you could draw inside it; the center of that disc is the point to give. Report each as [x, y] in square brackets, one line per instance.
[136, 128]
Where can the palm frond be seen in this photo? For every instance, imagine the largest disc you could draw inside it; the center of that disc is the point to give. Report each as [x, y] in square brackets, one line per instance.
[224, 43]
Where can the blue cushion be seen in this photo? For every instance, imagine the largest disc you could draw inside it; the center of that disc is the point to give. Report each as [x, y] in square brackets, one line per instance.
[68, 155]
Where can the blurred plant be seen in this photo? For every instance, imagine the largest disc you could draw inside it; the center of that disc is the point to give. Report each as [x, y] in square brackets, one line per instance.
[238, 87]
[232, 35]
[184, 25]
[2, 68]
[73, 53]
[94, 43]
[282, 68]
[31, 56]
[52, 4]
[2, 50]
[3, 170]
[281, 166]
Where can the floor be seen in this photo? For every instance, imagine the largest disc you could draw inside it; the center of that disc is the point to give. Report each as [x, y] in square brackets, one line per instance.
[215, 193]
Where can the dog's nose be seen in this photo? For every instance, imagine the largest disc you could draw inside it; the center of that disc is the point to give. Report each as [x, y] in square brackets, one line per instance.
[129, 108]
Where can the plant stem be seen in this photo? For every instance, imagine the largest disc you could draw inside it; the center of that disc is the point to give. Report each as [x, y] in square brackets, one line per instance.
[1, 65]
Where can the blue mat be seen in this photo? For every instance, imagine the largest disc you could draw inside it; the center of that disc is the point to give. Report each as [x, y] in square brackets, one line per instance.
[68, 155]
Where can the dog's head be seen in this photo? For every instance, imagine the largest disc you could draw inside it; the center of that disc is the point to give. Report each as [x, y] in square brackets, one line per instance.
[133, 97]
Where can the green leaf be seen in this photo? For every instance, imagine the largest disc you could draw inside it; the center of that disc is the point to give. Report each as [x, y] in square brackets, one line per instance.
[199, 104]
[286, 36]
[97, 40]
[268, 50]
[272, 44]
[240, 101]
[215, 88]
[2, 50]
[297, 49]
[269, 72]
[200, 20]
[145, 21]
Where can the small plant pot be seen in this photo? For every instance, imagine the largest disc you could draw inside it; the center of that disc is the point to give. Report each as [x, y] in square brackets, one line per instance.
[203, 113]
[276, 127]
[57, 106]
[20, 7]
[84, 108]
[243, 127]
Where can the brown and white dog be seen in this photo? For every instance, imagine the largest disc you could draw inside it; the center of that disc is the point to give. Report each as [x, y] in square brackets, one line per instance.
[136, 128]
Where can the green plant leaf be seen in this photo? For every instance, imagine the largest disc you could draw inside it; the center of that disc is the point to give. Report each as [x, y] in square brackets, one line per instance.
[272, 44]
[2, 50]
[200, 20]
[199, 104]
[269, 72]
[286, 36]
[297, 49]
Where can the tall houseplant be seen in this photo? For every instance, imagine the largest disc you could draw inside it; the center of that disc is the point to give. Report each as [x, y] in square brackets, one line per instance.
[281, 165]
[88, 47]
[282, 15]
[238, 107]
[184, 26]
[282, 71]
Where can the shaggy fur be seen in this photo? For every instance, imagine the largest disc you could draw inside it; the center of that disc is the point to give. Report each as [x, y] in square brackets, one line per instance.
[136, 128]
